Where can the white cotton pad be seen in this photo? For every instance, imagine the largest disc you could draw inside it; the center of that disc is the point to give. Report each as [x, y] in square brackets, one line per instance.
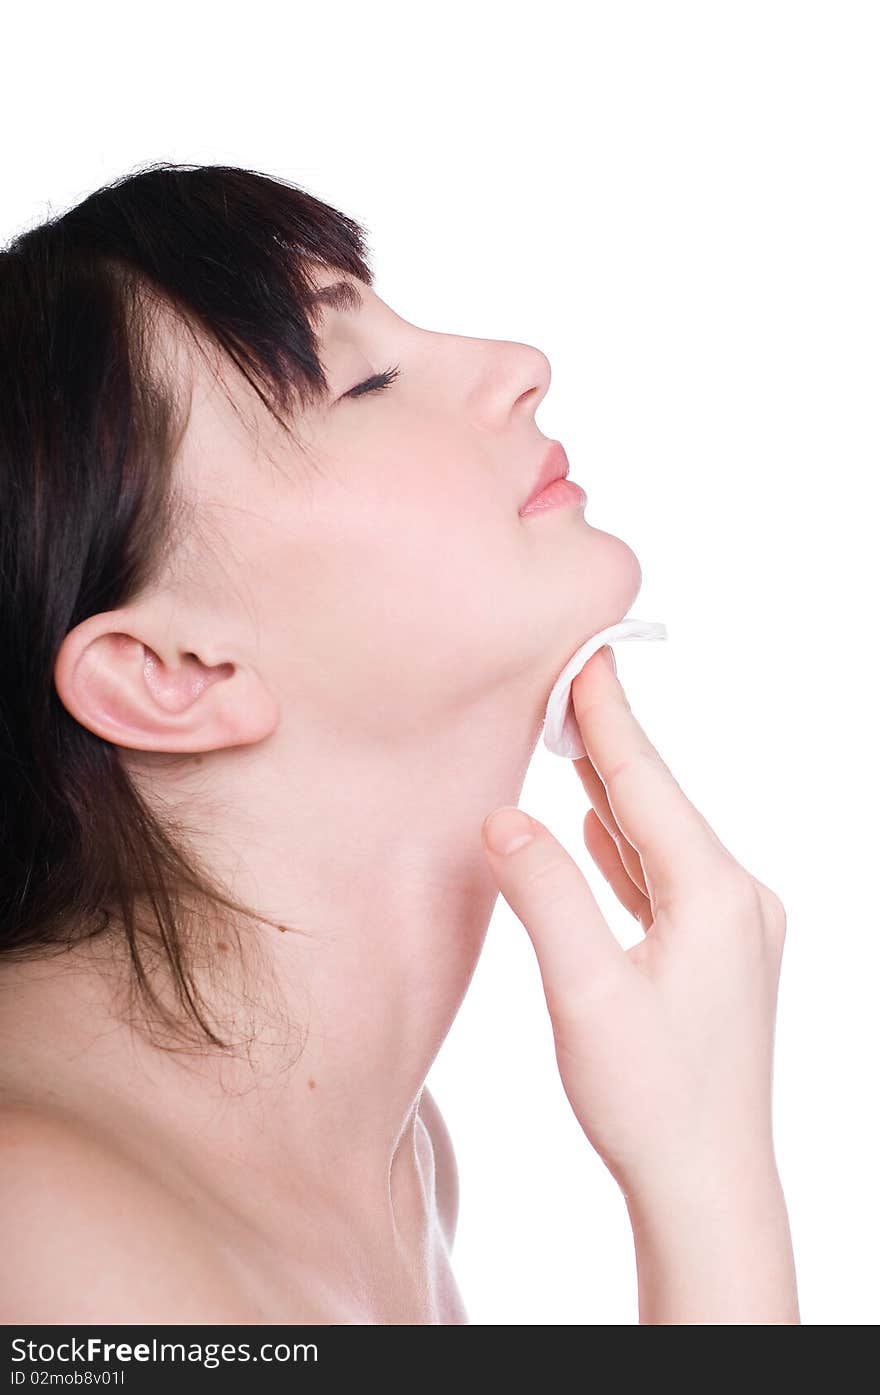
[562, 735]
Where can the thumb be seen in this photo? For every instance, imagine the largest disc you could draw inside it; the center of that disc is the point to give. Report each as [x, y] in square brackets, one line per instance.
[546, 889]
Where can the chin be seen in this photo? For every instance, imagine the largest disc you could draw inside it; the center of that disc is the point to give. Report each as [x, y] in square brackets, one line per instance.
[629, 578]
[609, 578]
[593, 586]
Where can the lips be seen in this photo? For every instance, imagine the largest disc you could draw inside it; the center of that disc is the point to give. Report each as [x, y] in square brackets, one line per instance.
[554, 466]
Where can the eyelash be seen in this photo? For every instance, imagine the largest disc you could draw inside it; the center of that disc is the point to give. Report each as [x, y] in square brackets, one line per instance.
[377, 383]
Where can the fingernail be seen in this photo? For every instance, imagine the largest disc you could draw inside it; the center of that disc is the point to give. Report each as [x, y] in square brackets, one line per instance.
[609, 654]
[508, 829]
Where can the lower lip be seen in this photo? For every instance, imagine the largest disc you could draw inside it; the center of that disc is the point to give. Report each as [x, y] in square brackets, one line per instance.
[557, 494]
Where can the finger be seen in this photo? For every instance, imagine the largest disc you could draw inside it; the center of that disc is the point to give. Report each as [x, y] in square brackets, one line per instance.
[606, 855]
[679, 851]
[599, 800]
[546, 889]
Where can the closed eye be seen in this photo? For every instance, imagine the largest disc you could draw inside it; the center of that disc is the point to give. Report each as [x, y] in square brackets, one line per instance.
[376, 383]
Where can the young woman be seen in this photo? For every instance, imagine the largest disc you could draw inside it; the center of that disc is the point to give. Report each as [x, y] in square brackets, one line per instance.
[277, 641]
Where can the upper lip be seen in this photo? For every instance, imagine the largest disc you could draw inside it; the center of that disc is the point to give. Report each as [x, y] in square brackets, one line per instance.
[554, 466]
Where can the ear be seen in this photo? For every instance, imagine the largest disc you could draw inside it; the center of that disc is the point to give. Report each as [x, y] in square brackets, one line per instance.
[121, 676]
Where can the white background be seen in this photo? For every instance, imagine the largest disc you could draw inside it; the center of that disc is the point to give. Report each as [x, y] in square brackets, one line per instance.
[678, 202]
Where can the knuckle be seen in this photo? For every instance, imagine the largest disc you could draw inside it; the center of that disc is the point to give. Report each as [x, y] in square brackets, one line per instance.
[643, 753]
[774, 910]
[733, 883]
[744, 894]
[574, 1002]
[729, 896]
[544, 874]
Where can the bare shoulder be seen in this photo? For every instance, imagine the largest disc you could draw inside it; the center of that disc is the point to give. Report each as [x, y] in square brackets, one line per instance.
[445, 1166]
[87, 1237]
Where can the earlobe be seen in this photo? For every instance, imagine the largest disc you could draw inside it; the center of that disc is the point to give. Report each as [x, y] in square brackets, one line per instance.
[158, 699]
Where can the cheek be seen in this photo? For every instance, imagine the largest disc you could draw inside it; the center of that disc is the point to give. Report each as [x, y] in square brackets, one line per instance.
[437, 565]
[427, 524]
[401, 588]
[416, 578]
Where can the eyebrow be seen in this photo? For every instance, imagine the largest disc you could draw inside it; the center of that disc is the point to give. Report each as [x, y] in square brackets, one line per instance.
[340, 295]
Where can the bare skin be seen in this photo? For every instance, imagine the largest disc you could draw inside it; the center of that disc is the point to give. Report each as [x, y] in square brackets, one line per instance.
[313, 1180]
[666, 1049]
[109, 1221]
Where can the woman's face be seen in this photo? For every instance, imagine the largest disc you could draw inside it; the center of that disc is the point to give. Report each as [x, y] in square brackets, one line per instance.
[383, 576]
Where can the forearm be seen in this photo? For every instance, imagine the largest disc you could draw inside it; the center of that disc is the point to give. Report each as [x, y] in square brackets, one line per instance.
[715, 1250]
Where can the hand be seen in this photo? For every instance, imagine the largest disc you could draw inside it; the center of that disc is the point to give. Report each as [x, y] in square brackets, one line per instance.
[665, 1049]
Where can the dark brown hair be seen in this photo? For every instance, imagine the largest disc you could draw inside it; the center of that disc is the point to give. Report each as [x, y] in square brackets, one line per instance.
[88, 515]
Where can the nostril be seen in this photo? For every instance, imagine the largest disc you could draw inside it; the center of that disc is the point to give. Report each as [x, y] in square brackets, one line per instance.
[529, 392]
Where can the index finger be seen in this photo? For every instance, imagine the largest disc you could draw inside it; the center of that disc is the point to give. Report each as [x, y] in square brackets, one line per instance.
[678, 847]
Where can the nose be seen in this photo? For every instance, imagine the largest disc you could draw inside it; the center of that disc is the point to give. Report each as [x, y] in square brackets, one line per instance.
[512, 380]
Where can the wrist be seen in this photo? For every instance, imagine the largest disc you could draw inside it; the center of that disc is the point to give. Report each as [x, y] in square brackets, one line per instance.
[714, 1246]
[723, 1186]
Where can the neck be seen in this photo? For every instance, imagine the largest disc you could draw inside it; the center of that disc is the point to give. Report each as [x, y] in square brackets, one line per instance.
[376, 853]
